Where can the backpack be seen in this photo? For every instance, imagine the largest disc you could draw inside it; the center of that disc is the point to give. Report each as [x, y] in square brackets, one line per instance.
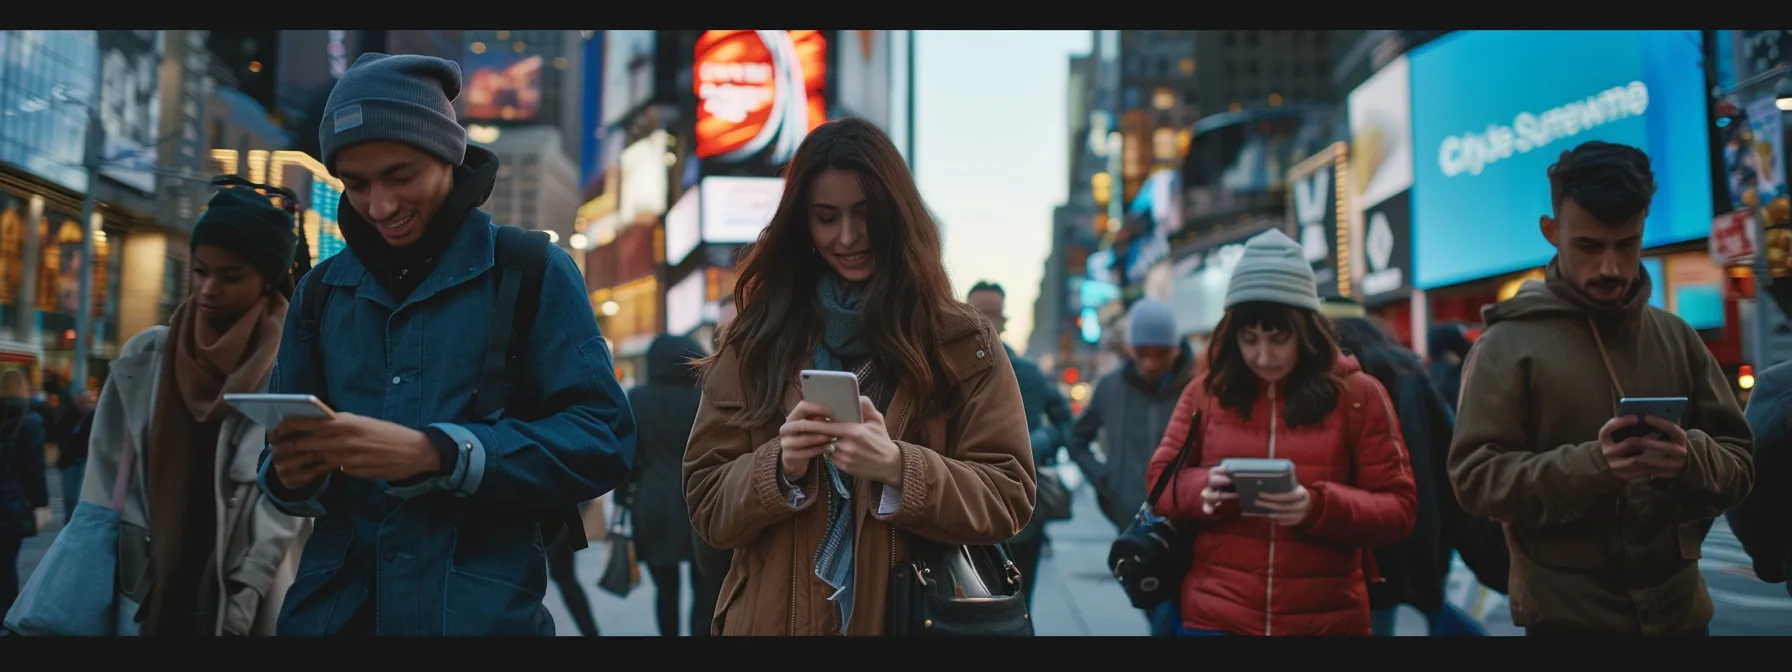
[521, 256]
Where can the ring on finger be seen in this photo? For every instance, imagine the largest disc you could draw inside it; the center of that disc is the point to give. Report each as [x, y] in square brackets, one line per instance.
[833, 444]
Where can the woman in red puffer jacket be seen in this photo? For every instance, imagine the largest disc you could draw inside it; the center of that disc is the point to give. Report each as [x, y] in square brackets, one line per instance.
[1278, 387]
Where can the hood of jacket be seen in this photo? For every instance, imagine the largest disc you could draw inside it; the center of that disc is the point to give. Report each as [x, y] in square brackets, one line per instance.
[473, 183]
[669, 360]
[1556, 297]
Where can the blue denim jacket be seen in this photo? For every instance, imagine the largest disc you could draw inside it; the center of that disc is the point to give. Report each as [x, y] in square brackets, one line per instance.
[462, 553]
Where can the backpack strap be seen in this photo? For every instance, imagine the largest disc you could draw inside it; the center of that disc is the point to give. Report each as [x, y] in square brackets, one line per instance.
[312, 305]
[520, 259]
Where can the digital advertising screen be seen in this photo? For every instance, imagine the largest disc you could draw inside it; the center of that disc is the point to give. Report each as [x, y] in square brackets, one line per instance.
[759, 93]
[503, 86]
[1491, 110]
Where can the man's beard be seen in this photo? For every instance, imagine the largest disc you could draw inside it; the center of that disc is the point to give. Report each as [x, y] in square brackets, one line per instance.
[1618, 285]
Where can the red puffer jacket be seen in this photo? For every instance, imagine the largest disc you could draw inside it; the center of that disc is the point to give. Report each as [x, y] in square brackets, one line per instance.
[1252, 577]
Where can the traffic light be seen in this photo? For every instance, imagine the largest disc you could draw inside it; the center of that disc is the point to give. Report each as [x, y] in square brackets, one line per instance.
[1071, 375]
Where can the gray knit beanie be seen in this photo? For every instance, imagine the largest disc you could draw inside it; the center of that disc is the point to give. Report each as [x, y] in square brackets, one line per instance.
[1273, 269]
[1151, 324]
[405, 98]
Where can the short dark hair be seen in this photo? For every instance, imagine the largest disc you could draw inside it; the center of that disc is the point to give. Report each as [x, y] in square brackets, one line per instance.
[1612, 182]
[986, 286]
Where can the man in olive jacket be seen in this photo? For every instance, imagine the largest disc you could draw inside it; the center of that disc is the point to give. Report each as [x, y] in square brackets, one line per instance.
[1604, 532]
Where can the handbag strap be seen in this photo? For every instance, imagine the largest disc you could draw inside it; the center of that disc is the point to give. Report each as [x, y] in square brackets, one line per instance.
[125, 466]
[1175, 466]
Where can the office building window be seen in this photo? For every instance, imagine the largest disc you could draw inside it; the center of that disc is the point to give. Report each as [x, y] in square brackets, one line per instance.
[1231, 68]
[214, 135]
[1250, 38]
[1299, 69]
[1319, 38]
[1321, 68]
[1294, 37]
[1250, 68]
[1231, 38]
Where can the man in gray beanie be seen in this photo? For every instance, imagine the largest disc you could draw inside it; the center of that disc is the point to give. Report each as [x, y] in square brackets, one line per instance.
[452, 459]
[1129, 409]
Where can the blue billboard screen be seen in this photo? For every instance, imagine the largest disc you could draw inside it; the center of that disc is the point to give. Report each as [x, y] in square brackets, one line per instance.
[1493, 109]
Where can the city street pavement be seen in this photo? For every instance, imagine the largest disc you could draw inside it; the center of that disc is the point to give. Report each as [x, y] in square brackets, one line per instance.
[1077, 597]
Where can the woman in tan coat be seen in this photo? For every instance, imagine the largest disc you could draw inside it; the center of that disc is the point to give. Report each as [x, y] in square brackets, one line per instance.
[847, 277]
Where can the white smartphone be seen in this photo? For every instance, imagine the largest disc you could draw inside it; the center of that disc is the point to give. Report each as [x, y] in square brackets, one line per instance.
[837, 390]
[269, 410]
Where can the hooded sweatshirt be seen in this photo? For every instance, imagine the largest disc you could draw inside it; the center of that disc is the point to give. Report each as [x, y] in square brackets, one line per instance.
[401, 270]
[1591, 553]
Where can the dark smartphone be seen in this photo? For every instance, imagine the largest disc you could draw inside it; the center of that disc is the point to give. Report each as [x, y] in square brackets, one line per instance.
[1671, 409]
[1252, 477]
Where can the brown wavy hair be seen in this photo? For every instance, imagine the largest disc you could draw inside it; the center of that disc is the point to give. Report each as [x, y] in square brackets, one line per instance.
[779, 322]
[1312, 388]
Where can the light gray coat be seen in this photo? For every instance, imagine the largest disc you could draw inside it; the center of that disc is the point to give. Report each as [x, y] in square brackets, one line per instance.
[257, 547]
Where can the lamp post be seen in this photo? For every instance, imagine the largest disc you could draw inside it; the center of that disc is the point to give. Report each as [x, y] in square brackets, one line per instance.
[94, 160]
[84, 303]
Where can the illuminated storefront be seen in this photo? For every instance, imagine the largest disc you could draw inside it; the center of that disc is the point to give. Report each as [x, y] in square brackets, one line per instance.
[629, 315]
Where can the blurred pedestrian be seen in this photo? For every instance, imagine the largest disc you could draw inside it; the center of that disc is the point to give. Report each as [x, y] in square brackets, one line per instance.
[195, 527]
[1449, 345]
[1277, 386]
[1414, 570]
[1763, 521]
[24, 495]
[1043, 403]
[665, 408]
[1593, 514]
[564, 571]
[848, 277]
[455, 457]
[710, 564]
[71, 453]
[1128, 411]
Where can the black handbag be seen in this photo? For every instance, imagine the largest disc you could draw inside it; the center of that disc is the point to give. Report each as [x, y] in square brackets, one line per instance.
[622, 571]
[1153, 555]
[926, 599]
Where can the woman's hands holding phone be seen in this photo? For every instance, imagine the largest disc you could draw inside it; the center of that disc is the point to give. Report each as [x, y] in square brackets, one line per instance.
[1288, 508]
[1218, 491]
[798, 442]
[862, 449]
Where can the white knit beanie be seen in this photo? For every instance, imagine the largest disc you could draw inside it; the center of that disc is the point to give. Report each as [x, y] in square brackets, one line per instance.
[1273, 269]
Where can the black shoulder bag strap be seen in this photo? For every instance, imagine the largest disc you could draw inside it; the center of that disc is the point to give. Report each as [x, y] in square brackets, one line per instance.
[1175, 466]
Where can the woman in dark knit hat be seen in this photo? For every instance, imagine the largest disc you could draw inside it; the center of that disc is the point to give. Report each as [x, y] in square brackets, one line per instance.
[200, 550]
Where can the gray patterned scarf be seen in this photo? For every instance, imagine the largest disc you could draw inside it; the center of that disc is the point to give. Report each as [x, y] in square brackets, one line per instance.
[842, 339]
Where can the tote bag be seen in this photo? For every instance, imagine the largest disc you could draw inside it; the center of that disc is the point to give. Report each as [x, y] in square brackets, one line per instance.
[74, 591]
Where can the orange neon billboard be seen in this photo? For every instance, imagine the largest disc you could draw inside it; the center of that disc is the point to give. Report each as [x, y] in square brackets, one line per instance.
[759, 93]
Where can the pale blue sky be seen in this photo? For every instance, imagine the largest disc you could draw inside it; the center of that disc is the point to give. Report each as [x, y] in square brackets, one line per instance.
[990, 136]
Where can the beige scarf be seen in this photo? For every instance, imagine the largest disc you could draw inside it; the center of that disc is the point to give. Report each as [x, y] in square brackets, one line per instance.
[202, 364]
